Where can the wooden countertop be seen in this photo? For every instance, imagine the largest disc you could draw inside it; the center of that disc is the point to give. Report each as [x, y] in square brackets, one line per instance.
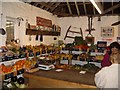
[68, 75]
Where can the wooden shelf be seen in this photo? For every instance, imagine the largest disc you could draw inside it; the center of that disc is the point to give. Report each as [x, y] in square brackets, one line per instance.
[38, 32]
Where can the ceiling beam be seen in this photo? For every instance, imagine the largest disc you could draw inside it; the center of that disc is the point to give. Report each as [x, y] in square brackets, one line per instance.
[94, 10]
[62, 14]
[35, 4]
[55, 6]
[50, 4]
[44, 4]
[103, 4]
[72, 4]
[111, 8]
[84, 7]
[67, 14]
[78, 12]
[116, 23]
[69, 7]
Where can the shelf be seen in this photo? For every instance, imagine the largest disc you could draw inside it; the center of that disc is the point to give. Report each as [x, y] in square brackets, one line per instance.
[39, 32]
[11, 61]
[98, 64]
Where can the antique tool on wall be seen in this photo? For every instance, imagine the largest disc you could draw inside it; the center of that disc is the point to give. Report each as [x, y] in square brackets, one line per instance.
[89, 38]
[116, 23]
[80, 32]
[19, 20]
[90, 29]
[41, 37]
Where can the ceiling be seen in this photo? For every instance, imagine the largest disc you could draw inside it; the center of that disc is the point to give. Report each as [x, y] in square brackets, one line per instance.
[75, 8]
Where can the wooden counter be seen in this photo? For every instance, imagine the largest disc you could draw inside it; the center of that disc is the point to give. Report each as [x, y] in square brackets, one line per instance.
[63, 79]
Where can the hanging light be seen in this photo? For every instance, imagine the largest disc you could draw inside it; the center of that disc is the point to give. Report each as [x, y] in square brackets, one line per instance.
[96, 6]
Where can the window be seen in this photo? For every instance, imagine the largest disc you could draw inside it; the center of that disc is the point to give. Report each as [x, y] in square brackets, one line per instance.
[9, 30]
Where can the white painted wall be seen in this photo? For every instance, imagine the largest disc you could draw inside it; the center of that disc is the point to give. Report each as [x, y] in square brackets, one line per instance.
[119, 27]
[83, 23]
[26, 11]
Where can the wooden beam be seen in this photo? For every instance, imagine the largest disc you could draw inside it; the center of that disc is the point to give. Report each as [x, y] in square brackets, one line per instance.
[67, 32]
[69, 7]
[55, 6]
[84, 7]
[116, 23]
[94, 10]
[72, 4]
[103, 4]
[50, 4]
[35, 4]
[47, 8]
[44, 4]
[111, 8]
[62, 14]
[77, 8]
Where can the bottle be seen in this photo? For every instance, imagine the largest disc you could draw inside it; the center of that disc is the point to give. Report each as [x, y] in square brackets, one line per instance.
[26, 23]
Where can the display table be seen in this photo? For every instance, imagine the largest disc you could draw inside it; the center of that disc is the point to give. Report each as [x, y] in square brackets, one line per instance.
[65, 79]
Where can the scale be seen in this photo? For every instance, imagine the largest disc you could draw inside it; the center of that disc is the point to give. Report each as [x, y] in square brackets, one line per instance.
[46, 67]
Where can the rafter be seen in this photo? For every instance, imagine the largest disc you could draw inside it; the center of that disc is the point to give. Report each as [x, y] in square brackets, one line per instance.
[77, 8]
[103, 4]
[55, 6]
[50, 4]
[61, 14]
[58, 7]
[111, 8]
[69, 7]
[84, 7]
[44, 4]
[72, 4]
[94, 10]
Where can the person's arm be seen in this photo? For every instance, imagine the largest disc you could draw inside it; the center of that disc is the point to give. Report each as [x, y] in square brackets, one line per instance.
[105, 61]
[100, 78]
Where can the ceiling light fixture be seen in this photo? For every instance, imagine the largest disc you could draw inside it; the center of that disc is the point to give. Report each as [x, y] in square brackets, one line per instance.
[96, 6]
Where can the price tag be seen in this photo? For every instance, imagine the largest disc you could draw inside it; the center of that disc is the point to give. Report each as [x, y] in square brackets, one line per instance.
[82, 72]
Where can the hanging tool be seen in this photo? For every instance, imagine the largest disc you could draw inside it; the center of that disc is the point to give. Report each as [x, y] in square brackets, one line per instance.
[90, 29]
[41, 37]
[66, 36]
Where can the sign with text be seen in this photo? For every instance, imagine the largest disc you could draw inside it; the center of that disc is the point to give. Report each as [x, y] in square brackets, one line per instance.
[43, 22]
[107, 32]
